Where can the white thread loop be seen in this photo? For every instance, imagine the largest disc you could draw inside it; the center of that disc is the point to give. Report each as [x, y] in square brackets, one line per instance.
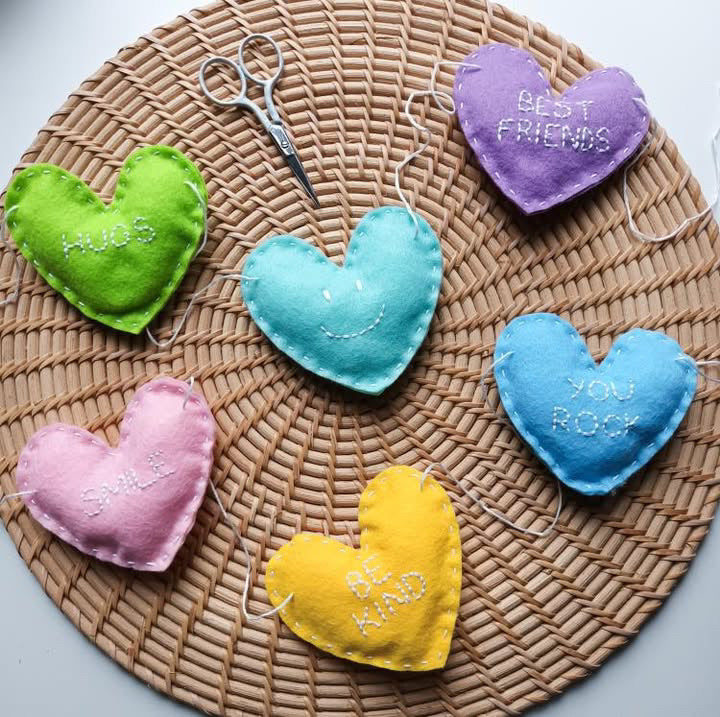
[11, 298]
[171, 340]
[21, 493]
[487, 371]
[499, 516]
[222, 277]
[409, 158]
[248, 568]
[444, 102]
[697, 364]
[203, 204]
[709, 362]
[188, 393]
[649, 238]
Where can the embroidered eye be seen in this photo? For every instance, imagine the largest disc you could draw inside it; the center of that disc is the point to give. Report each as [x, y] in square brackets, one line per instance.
[326, 295]
[358, 284]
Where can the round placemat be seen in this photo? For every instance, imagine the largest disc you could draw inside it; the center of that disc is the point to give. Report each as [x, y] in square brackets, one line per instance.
[294, 452]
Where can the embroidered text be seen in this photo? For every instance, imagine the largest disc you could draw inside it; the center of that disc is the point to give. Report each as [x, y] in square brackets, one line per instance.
[590, 423]
[117, 237]
[384, 594]
[555, 124]
[128, 482]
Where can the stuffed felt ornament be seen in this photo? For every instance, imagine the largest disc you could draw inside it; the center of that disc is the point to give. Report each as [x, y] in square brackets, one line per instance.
[542, 149]
[134, 504]
[594, 425]
[358, 324]
[117, 263]
[392, 603]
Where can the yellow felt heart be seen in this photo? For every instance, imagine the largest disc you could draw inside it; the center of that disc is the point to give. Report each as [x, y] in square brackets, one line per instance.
[393, 602]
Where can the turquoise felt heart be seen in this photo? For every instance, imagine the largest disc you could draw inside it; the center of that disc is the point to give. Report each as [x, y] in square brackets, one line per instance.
[360, 324]
[593, 424]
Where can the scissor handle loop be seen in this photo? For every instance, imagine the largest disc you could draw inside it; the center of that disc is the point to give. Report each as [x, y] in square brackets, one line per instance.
[240, 98]
[262, 81]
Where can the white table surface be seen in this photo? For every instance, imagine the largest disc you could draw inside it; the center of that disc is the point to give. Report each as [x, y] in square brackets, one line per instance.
[672, 669]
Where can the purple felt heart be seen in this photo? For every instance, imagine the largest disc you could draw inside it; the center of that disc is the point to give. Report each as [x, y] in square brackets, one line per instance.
[542, 149]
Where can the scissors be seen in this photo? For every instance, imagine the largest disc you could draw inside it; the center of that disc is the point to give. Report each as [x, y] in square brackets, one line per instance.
[270, 120]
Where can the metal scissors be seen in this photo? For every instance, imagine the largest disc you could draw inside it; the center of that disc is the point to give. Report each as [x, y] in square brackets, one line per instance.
[270, 120]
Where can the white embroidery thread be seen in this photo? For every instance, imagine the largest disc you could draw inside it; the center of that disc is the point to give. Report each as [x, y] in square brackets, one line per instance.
[127, 482]
[410, 586]
[143, 233]
[353, 580]
[355, 334]
[587, 423]
[554, 135]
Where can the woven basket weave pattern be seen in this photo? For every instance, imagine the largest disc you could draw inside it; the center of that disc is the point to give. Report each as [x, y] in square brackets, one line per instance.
[294, 452]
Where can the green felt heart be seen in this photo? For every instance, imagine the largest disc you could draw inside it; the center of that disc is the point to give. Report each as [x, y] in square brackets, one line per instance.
[116, 263]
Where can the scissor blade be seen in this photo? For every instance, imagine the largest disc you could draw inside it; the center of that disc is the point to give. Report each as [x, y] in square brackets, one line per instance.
[297, 168]
[282, 139]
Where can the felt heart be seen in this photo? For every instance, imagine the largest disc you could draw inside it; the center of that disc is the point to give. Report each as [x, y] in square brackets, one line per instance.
[132, 505]
[393, 602]
[593, 424]
[542, 149]
[360, 324]
[116, 263]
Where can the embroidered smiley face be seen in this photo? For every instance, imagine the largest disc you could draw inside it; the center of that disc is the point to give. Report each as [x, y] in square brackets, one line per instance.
[350, 334]
[358, 324]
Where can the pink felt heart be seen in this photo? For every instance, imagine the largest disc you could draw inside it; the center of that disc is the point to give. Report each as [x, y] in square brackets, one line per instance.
[542, 149]
[132, 505]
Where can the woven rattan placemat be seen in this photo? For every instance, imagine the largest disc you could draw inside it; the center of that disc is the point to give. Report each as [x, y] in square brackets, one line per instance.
[294, 452]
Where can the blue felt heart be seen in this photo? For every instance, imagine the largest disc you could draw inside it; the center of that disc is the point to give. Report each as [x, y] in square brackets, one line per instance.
[360, 324]
[593, 424]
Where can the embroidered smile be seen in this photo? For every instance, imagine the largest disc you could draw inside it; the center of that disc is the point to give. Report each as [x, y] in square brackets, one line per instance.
[355, 334]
